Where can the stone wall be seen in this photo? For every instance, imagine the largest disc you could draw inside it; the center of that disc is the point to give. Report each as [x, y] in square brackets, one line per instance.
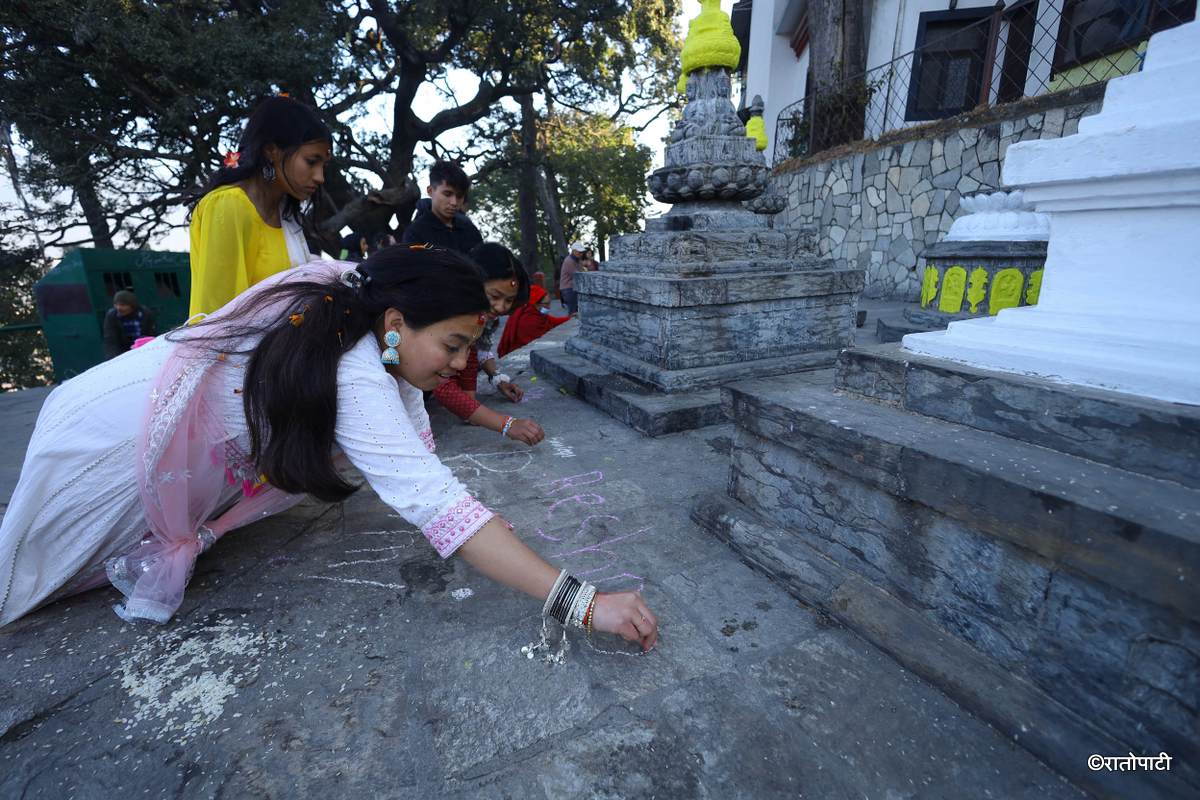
[880, 208]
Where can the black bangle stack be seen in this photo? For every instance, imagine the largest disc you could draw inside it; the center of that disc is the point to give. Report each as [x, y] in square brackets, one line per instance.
[565, 599]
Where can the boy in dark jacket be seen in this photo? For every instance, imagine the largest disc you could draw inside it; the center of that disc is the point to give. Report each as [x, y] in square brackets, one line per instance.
[439, 219]
[125, 323]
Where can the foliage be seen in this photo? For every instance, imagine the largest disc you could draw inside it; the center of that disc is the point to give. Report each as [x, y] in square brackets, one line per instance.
[152, 93]
[830, 116]
[149, 95]
[601, 175]
[24, 357]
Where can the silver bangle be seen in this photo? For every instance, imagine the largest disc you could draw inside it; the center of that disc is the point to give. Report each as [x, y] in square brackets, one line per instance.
[582, 601]
[507, 425]
[562, 576]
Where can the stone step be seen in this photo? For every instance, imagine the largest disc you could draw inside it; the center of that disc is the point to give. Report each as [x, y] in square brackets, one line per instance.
[1004, 572]
[1017, 709]
[1153, 438]
[634, 404]
[686, 268]
[1135, 533]
[895, 326]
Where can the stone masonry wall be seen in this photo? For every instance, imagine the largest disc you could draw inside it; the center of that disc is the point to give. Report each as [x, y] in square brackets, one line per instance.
[879, 209]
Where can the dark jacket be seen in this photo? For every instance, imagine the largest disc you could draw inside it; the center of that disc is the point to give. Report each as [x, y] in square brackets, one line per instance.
[115, 340]
[428, 229]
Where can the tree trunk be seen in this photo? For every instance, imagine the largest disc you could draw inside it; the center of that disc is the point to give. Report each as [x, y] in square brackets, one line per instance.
[527, 185]
[548, 191]
[93, 212]
[837, 96]
[854, 48]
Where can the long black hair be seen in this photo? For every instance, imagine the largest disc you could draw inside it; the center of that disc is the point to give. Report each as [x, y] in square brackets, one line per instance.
[290, 389]
[497, 263]
[287, 124]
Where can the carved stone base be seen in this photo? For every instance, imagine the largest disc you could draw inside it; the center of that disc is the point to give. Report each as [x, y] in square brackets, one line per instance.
[661, 329]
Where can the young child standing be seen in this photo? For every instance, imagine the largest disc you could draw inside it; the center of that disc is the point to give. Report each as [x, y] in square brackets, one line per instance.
[440, 219]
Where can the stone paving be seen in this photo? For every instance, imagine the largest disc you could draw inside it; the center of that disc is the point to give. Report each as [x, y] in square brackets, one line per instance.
[330, 652]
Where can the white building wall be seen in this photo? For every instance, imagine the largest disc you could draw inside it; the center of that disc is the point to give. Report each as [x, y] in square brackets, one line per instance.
[774, 72]
[772, 69]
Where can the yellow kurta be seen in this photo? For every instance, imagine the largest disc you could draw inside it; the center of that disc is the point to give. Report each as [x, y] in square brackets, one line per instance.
[232, 249]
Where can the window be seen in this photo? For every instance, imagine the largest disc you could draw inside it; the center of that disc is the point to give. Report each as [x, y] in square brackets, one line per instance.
[947, 73]
[1018, 46]
[115, 282]
[53, 299]
[166, 285]
[1091, 29]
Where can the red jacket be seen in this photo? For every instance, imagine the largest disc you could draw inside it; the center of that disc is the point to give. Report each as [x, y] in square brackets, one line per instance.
[528, 323]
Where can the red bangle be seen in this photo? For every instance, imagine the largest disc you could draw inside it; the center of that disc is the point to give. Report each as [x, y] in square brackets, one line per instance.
[587, 616]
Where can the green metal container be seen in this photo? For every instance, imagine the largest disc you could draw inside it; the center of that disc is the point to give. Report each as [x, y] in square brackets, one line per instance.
[73, 298]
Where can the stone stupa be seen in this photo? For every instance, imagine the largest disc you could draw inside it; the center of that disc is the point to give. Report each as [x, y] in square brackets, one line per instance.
[711, 292]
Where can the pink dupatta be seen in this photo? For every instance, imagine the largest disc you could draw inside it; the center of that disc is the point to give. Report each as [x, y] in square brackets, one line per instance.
[181, 473]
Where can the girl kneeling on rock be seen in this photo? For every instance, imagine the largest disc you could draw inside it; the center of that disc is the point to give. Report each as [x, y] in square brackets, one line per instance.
[239, 416]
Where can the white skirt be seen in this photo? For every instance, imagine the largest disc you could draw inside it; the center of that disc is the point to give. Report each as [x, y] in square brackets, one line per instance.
[76, 503]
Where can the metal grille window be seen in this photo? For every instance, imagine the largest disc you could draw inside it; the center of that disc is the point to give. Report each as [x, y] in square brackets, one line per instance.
[1090, 29]
[166, 284]
[116, 281]
[948, 64]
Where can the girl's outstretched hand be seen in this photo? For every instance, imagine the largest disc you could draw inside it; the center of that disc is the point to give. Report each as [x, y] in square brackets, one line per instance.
[527, 431]
[627, 615]
[511, 391]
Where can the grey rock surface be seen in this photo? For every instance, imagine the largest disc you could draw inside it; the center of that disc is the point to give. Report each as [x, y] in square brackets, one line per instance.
[1074, 578]
[329, 652]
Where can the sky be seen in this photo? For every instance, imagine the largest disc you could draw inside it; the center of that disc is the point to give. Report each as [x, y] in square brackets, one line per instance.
[429, 103]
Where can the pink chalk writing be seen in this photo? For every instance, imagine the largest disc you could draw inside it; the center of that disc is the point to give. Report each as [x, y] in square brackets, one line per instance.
[601, 558]
[571, 481]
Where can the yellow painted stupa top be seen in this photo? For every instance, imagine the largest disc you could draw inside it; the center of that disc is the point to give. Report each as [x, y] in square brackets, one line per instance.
[756, 129]
[710, 42]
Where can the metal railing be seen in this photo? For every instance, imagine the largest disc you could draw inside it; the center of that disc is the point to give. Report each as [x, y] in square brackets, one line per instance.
[1009, 52]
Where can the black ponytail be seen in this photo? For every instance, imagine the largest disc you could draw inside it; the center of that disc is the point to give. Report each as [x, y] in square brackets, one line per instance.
[290, 389]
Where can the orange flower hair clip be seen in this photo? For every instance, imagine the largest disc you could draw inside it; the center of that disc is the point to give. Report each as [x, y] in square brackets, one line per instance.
[231, 159]
[297, 319]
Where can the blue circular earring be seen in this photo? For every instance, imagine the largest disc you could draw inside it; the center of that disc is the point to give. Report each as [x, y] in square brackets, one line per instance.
[390, 356]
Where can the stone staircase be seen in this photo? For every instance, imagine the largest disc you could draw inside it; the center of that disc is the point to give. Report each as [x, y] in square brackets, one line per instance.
[1031, 549]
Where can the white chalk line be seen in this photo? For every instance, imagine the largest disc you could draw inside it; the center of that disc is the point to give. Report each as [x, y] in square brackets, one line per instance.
[361, 581]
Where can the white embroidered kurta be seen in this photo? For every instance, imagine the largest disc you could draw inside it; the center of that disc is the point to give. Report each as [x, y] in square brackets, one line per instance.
[77, 505]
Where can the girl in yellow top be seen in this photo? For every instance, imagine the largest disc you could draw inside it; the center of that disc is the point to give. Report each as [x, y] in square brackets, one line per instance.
[252, 219]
